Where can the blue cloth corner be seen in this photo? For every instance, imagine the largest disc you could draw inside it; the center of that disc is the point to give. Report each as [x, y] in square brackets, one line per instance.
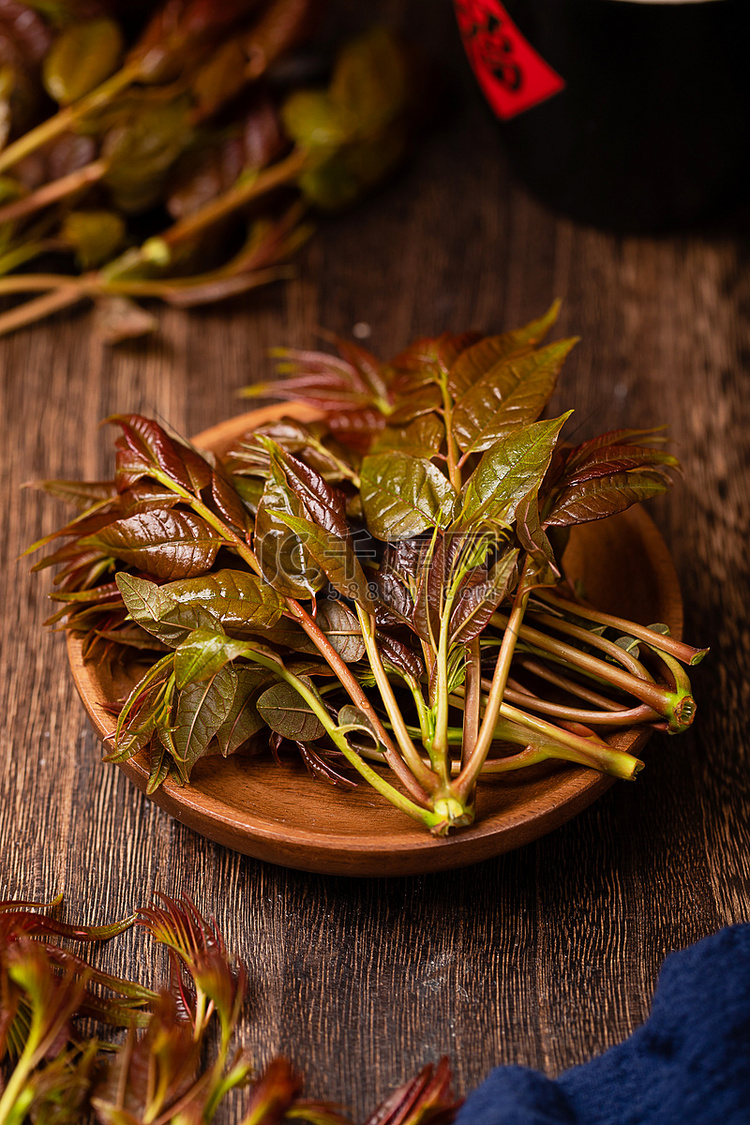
[689, 1064]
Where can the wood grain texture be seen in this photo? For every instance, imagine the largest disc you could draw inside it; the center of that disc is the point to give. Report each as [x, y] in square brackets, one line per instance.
[544, 956]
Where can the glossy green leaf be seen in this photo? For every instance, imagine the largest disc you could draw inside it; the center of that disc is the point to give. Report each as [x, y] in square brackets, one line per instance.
[167, 544]
[285, 711]
[402, 496]
[141, 147]
[201, 655]
[202, 708]
[159, 612]
[81, 58]
[283, 558]
[474, 362]
[421, 438]
[243, 720]
[512, 394]
[239, 600]
[506, 473]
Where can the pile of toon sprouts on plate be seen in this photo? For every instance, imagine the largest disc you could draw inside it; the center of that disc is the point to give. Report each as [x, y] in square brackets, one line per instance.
[379, 589]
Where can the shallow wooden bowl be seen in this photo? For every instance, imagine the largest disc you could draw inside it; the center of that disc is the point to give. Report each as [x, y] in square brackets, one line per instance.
[281, 814]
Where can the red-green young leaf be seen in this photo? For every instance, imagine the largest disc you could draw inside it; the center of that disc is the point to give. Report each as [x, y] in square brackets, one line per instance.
[316, 378]
[405, 559]
[320, 503]
[411, 404]
[373, 373]
[533, 539]
[108, 594]
[228, 501]
[82, 56]
[478, 600]
[169, 544]
[398, 657]
[202, 654]
[147, 496]
[341, 626]
[145, 446]
[512, 394]
[159, 766]
[240, 601]
[394, 598]
[168, 1039]
[507, 472]
[428, 1098]
[474, 362]
[243, 720]
[579, 453]
[86, 523]
[599, 498]
[402, 496]
[612, 459]
[318, 767]
[355, 429]
[285, 711]
[202, 708]
[19, 915]
[273, 1094]
[53, 998]
[82, 494]
[429, 598]
[284, 560]
[429, 360]
[421, 438]
[335, 556]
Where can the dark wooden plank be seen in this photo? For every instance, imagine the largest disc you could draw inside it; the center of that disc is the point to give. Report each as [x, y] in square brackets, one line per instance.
[543, 957]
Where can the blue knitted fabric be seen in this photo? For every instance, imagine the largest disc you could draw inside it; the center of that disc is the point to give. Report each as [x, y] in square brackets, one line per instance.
[689, 1064]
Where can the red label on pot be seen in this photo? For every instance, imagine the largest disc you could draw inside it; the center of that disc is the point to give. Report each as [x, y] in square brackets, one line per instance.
[513, 76]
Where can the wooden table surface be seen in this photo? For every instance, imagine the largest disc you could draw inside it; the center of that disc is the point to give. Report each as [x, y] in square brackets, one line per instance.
[543, 957]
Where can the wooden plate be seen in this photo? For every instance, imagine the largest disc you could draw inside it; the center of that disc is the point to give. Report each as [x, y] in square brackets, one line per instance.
[280, 814]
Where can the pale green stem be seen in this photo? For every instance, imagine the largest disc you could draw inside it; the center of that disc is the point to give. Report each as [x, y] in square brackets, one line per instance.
[473, 697]
[438, 748]
[571, 686]
[424, 776]
[54, 191]
[685, 653]
[339, 740]
[567, 628]
[648, 692]
[66, 118]
[515, 725]
[471, 769]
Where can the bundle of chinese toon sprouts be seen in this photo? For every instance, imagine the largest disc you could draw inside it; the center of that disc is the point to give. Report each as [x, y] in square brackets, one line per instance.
[379, 589]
